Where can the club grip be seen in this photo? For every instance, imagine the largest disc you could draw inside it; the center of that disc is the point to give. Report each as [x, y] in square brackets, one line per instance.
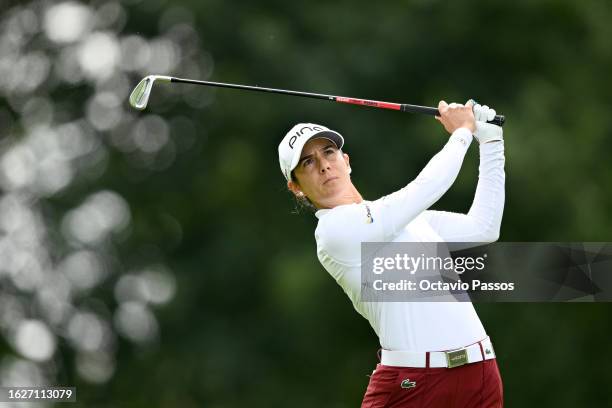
[498, 120]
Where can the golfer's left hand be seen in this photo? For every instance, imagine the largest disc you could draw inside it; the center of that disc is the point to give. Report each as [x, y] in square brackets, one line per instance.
[486, 132]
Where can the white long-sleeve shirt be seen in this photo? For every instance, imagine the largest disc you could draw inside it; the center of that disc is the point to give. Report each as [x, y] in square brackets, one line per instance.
[403, 217]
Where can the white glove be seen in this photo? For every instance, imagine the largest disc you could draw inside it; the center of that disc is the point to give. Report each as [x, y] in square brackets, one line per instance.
[486, 132]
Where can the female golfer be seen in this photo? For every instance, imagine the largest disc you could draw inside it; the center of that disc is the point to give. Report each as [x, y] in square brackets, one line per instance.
[434, 354]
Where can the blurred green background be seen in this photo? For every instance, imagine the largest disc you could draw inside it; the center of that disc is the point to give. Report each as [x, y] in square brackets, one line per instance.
[152, 259]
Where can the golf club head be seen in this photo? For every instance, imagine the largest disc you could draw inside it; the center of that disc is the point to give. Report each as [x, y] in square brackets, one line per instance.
[139, 98]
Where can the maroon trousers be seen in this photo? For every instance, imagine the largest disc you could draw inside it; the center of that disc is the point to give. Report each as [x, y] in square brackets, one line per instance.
[476, 385]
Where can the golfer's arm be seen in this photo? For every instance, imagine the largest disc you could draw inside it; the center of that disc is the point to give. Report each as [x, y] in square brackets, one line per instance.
[400, 208]
[483, 221]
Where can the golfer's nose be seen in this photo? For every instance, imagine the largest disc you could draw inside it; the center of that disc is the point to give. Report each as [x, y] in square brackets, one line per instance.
[324, 165]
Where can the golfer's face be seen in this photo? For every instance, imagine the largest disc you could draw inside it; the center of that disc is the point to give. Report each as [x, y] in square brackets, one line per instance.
[322, 172]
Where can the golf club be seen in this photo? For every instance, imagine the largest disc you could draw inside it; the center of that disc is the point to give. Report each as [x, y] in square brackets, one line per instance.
[141, 93]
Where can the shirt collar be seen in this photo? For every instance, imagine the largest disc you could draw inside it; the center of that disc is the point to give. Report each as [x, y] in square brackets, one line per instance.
[321, 213]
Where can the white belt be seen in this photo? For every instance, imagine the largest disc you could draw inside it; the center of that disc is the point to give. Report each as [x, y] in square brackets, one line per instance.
[450, 358]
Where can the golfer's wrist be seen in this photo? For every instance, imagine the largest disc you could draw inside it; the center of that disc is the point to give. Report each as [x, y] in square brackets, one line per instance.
[462, 135]
[470, 126]
[488, 133]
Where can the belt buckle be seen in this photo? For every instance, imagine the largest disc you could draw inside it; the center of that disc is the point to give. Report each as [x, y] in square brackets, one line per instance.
[456, 358]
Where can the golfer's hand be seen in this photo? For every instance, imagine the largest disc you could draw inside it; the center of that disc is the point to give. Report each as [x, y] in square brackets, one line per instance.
[455, 116]
[486, 132]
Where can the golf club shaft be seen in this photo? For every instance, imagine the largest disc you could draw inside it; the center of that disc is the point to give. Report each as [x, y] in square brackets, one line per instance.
[403, 107]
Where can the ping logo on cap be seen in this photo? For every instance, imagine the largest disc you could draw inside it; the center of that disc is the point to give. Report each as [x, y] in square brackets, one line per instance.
[300, 132]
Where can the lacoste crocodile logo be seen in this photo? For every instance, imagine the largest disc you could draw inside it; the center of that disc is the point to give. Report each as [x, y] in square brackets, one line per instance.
[408, 384]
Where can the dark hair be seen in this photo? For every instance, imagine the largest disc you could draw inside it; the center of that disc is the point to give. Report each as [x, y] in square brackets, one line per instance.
[302, 204]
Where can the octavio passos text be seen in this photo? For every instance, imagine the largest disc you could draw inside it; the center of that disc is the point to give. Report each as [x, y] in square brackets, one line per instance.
[412, 265]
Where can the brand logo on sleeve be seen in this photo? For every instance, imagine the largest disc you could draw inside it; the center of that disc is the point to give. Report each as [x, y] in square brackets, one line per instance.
[369, 218]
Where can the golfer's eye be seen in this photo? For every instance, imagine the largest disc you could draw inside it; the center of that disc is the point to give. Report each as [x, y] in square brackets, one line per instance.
[330, 151]
[307, 162]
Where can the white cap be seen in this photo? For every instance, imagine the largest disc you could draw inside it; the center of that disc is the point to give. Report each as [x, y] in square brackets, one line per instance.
[290, 149]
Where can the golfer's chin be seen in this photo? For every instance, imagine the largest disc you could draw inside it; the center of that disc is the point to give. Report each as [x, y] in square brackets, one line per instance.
[334, 195]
